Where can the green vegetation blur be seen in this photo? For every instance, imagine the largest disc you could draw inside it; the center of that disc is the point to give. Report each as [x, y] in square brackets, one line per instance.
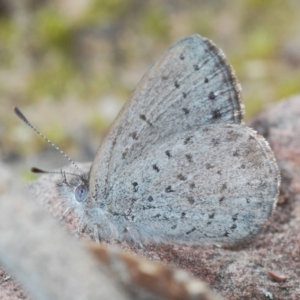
[71, 64]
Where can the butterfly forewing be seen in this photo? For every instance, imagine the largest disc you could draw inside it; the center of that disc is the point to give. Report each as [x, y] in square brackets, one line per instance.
[190, 85]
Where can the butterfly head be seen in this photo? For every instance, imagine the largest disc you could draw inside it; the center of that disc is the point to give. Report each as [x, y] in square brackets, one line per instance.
[74, 188]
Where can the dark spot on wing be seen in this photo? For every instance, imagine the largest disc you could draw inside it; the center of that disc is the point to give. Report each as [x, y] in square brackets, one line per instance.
[135, 186]
[233, 227]
[226, 234]
[133, 200]
[221, 199]
[165, 218]
[224, 187]
[155, 167]
[181, 56]
[192, 185]
[192, 230]
[211, 96]
[114, 142]
[216, 114]
[188, 140]
[209, 166]
[189, 157]
[263, 185]
[157, 216]
[150, 198]
[124, 154]
[176, 84]
[191, 200]
[206, 80]
[168, 153]
[211, 216]
[184, 95]
[234, 217]
[181, 177]
[186, 111]
[196, 68]
[143, 117]
[233, 136]
[183, 215]
[236, 153]
[145, 207]
[134, 135]
[215, 142]
[169, 189]
[174, 227]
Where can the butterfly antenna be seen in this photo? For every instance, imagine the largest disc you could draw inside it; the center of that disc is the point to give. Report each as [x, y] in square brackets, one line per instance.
[23, 118]
[39, 171]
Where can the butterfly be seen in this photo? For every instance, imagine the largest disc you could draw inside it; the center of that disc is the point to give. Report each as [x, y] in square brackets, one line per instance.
[178, 164]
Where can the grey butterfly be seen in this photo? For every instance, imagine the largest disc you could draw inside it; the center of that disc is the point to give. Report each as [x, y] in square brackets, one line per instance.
[179, 165]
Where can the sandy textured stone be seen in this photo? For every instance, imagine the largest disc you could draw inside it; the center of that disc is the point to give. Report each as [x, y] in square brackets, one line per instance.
[50, 263]
[238, 273]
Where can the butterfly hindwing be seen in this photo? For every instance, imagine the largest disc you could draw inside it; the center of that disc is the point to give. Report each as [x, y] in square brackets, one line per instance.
[214, 184]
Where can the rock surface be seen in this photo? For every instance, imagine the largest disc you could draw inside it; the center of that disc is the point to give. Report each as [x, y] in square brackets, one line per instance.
[269, 267]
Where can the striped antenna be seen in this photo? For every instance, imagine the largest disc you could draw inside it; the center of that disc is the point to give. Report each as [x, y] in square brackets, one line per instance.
[39, 171]
[23, 118]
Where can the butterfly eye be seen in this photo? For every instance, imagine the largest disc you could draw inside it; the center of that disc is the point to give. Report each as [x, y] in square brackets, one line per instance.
[81, 192]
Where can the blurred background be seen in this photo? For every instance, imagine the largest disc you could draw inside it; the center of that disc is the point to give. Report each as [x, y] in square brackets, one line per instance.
[70, 65]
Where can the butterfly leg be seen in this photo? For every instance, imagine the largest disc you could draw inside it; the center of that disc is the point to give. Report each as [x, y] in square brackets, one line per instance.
[65, 213]
[131, 234]
[96, 234]
[81, 227]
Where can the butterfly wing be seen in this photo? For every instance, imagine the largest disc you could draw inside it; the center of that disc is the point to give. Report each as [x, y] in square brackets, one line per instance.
[191, 84]
[218, 183]
[177, 164]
